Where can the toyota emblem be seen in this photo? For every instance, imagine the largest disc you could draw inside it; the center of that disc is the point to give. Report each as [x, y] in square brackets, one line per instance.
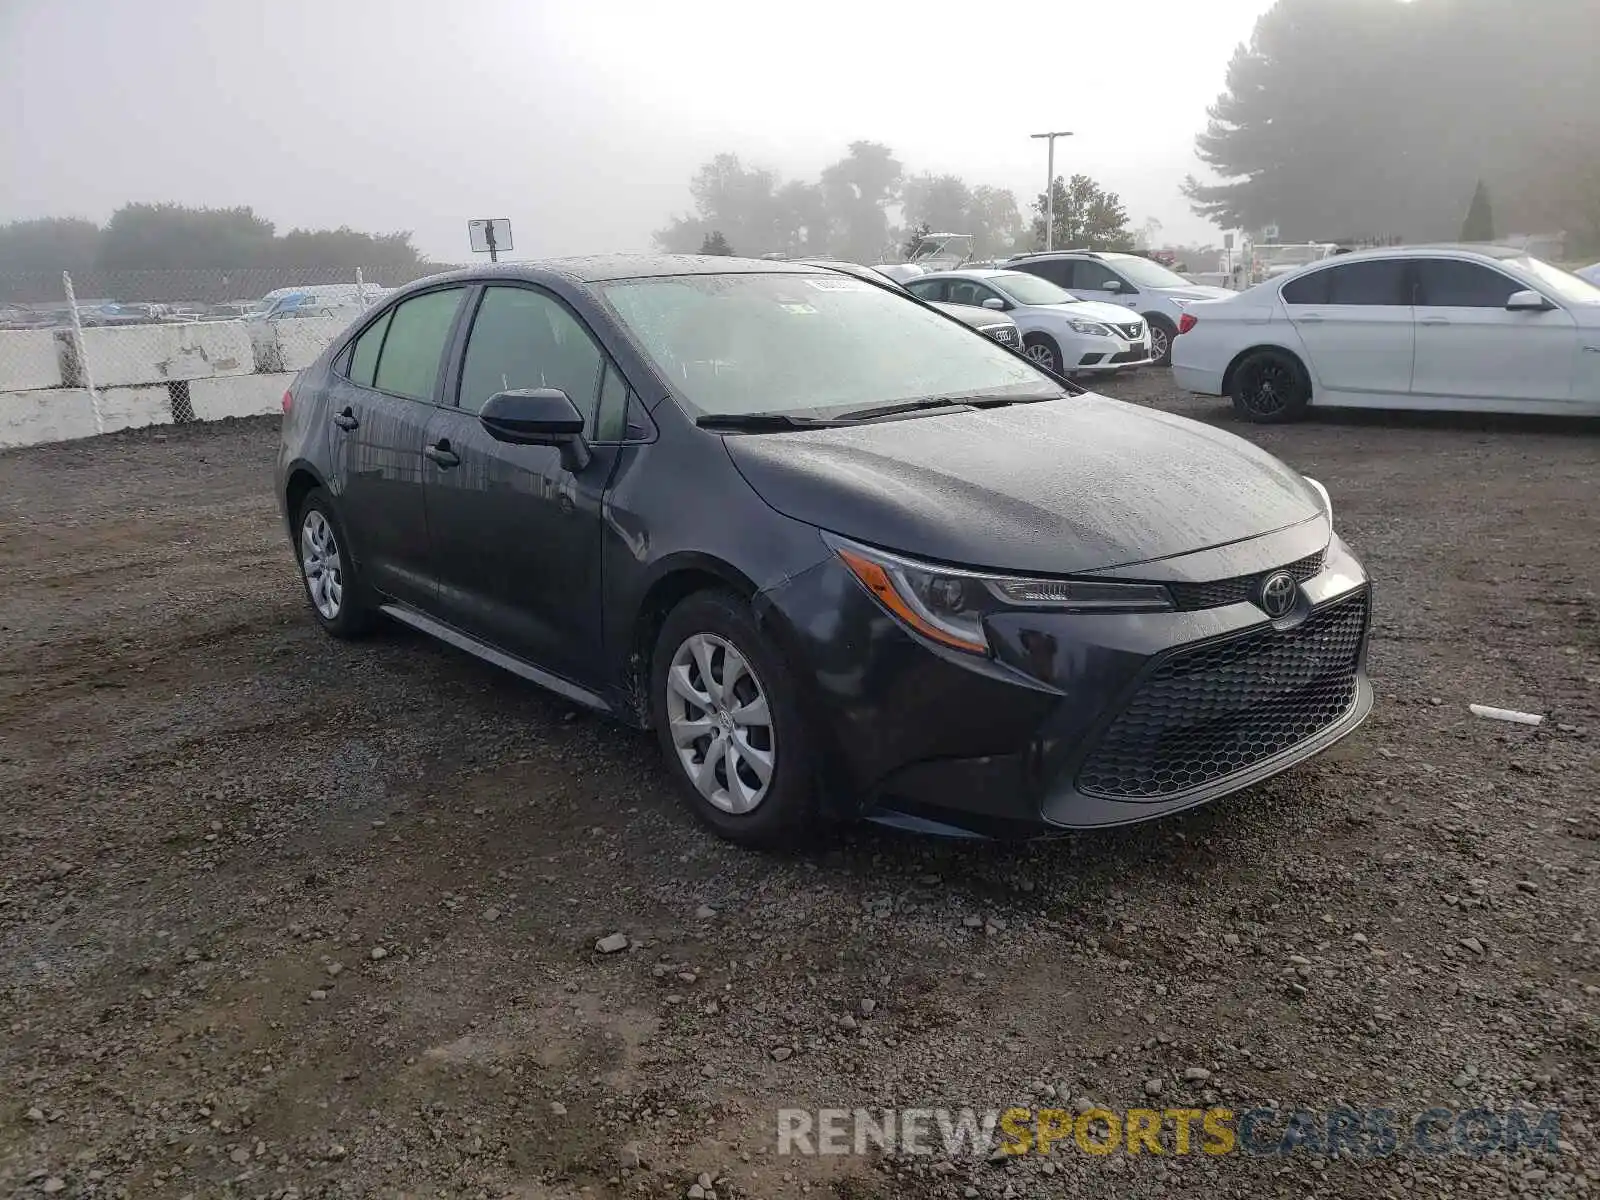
[1277, 594]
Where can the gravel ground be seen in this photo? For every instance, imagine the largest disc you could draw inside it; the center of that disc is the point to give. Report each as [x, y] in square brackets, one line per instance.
[282, 916]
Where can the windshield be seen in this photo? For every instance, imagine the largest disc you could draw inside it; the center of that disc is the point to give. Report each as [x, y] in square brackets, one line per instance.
[1029, 289]
[1145, 273]
[809, 345]
[1563, 284]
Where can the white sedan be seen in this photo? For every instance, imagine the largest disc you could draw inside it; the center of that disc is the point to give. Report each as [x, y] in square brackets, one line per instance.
[1592, 274]
[1458, 328]
[1064, 335]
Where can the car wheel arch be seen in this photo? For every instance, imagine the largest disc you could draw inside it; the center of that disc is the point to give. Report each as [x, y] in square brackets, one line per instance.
[675, 580]
[1275, 347]
[301, 481]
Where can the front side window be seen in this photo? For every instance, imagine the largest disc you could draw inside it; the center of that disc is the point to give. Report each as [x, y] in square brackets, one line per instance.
[1093, 276]
[970, 292]
[408, 364]
[1452, 283]
[525, 339]
[927, 289]
[802, 345]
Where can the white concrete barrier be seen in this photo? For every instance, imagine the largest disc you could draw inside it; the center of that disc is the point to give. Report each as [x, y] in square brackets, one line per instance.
[29, 358]
[135, 354]
[301, 340]
[239, 396]
[63, 414]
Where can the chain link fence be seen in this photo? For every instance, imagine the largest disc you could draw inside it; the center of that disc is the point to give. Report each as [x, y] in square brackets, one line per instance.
[95, 351]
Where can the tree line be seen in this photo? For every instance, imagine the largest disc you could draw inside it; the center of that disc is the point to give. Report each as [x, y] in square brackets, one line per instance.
[1345, 118]
[845, 212]
[174, 237]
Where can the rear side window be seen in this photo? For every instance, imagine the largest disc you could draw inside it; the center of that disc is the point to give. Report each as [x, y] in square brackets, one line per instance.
[1451, 283]
[1308, 289]
[1380, 282]
[525, 339]
[364, 358]
[418, 331]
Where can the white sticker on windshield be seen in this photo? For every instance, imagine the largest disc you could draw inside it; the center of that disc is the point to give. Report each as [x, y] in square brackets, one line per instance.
[793, 306]
[840, 285]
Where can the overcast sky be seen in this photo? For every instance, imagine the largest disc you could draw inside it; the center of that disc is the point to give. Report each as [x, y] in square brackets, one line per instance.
[582, 122]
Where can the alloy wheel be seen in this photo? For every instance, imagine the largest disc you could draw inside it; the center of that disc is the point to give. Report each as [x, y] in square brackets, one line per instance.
[1158, 343]
[1042, 355]
[720, 722]
[319, 559]
[1268, 389]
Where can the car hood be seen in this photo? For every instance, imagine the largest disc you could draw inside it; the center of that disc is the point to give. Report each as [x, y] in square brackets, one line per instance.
[1197, 291]
[1081, 310]
[1078, 484]
[978, 318]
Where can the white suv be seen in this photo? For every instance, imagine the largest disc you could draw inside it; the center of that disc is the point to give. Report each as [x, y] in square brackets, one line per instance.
[1155, 293]
[1063, 335]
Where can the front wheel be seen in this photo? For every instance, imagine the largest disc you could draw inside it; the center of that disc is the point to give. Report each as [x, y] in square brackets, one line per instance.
[1043, 351]
[1270, 387]
[727, 713]
[1162, 332]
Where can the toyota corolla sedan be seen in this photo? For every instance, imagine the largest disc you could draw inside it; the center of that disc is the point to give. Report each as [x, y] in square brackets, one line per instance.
[845, 558]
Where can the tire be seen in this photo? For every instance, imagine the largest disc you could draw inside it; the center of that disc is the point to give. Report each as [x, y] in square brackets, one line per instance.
[1270, 387]
[339, 601]
[1043, 351]
[698, 642]
[1162, 331]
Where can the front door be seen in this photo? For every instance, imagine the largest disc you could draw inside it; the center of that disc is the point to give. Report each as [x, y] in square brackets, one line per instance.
[515, 534]
[1356, 323]
[380, 406]
[1093, 280]
[1470, 347]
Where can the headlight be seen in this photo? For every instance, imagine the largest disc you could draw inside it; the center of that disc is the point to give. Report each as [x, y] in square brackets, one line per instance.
[1092, 327]
[1327, 500]
[949, 605]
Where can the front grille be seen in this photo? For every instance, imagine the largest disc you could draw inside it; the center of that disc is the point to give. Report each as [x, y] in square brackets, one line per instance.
[1191, 596]
[1214, 710]
[1006, 334]
[1133, 330]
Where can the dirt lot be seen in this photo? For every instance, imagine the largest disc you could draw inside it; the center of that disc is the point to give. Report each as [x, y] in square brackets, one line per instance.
[281, 916]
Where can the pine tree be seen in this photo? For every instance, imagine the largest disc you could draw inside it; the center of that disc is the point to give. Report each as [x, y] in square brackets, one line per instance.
[715, 243]
[1479, 225]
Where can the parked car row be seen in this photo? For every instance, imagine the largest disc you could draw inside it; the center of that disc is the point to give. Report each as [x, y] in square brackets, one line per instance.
[1463, 328]
[845, 557]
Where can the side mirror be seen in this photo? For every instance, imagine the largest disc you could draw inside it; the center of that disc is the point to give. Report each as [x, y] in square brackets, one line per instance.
[537, 417]
[1112, 285]
[995, 303]
[1527, 301]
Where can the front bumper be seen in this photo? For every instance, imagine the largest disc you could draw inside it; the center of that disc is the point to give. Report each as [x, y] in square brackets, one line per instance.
[1077, 720]
[1093, 355]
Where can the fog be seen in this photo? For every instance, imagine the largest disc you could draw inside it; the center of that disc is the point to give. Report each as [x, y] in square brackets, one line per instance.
[584, 123]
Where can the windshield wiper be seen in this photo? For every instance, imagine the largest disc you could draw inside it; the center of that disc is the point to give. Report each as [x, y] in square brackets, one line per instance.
[931, 402]
[758, 422]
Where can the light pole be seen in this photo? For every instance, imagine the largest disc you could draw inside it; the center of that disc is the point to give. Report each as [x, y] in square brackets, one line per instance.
[1050, 186]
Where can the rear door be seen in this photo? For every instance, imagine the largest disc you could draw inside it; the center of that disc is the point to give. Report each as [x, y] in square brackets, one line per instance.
[515, 535]
[1470, 347]
[380, 404]
[1357, 325]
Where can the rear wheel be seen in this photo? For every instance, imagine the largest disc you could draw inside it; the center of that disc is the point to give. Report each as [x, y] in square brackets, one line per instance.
[726, 712]
[338, 599]
[1162, 331]
[1270, 387]
[1044, 352]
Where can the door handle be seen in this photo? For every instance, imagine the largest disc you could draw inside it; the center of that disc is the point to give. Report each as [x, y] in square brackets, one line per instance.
[346, 421]
[1310, 318]
[441, 455]
[1434, 321]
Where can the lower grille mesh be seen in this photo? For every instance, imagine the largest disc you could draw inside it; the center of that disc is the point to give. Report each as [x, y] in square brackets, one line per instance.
[1207, 713]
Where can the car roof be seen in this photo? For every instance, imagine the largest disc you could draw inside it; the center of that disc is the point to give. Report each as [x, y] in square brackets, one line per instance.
[1454, 248]
[605, 268]
[970, 273]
